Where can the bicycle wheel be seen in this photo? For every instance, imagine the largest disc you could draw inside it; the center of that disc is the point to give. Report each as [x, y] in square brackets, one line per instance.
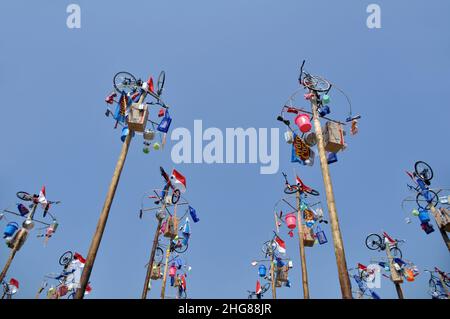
[161, 81]
[423, 170]
[316, 83]
[312, 192]
[265, 288]
[181, 249]
[175, 196]
[65, 258]
[124, 81]
[24, 196]
[423, 202]
[374, 242]
[396, 252]
[269, 247]
[290, 190]
[159, 254]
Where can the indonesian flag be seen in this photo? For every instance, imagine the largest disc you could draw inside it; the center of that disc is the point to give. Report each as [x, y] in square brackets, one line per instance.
[298, 180]
[88, 289]
[183, 282]
[178, 180]
[281, 245]
[258, 287]
[361, 267]
[80, 258]
[388, 238]
[41, 199]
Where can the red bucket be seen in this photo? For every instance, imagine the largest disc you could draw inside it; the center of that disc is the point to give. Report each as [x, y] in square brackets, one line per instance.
[303, 122]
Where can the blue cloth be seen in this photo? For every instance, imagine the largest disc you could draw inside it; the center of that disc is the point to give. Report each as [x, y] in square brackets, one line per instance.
[193, 214]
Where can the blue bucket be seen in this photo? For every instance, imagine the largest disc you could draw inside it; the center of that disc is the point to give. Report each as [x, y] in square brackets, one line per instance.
[424, 216]
[10, 229]
[262, 271]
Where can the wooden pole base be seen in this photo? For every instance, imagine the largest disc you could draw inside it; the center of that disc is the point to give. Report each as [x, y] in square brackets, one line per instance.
[95, 244]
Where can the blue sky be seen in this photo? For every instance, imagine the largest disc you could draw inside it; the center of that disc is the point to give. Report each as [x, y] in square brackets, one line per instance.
[230, 64]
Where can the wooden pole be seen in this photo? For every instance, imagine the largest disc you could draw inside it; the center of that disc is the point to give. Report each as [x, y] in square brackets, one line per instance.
[272, 276]
[301, 245]
[166, 266]
[444, 235]
[444, 285]
[17, 245]
[398, 287]
[344, 279]
[150, 263]
[395, 276]
[95, 243]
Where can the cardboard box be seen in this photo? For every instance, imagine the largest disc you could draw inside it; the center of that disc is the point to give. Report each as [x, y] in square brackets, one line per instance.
[308, 236]
[137, 117]
[443, 219]
[333, 137]
[171, 230]
[282, 274]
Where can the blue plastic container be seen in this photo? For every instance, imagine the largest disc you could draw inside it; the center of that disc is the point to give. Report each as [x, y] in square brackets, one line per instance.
[10, 229]
[324, 110]
[262, 271]
[424, 216]
[332, 158]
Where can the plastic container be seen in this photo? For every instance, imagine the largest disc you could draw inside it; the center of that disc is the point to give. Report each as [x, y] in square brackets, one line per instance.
[172, 271]
[332, 158]
[291, 221]
[321, 237]
[10, 229]
[311, 139]
[303, 122]
[325, 99]
[424, 216]
[262, 271]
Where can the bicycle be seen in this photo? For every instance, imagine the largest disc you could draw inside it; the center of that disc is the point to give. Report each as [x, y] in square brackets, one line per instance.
[436, 288]
[422, 175]
[299, 187]
[126, 82]
[26, 197]
[377, 242]
[313, 82]
[264, 289]
[178, 245]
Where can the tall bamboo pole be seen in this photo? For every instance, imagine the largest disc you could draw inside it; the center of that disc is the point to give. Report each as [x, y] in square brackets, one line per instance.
[444, 285]
[150, 262]
[272, 276]
[301, 245]
[441, 230]
[166, 266]
[21, 235]
[93, 249]
[344, 279]
[394, 273]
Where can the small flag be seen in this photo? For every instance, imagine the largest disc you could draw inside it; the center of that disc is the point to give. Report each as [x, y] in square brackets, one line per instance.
[41, 199]
[178, 180]
[193, 214]
[281, 245]
[150, 84]
[388, 238]
[14, 282]
[80, 258]
[258, 288]
[361, 267]
[88, 289]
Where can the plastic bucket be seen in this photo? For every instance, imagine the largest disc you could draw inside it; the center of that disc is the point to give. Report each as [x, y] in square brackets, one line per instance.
[172, 271]
[324, 110]
[291, 220]
[262, 271]
[424, 216]
[10, 229]
[303, 122]
[332, 158]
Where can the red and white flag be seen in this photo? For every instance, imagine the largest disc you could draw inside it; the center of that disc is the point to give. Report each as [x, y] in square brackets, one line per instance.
[42, 199]
[281, 245]
[258, 287]
[88, 289]
[178, 180]
[13, 285]
[361, 267]
[80, 258]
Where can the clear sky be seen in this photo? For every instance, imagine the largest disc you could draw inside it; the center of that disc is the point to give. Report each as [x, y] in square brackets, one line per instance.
[230, 64]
